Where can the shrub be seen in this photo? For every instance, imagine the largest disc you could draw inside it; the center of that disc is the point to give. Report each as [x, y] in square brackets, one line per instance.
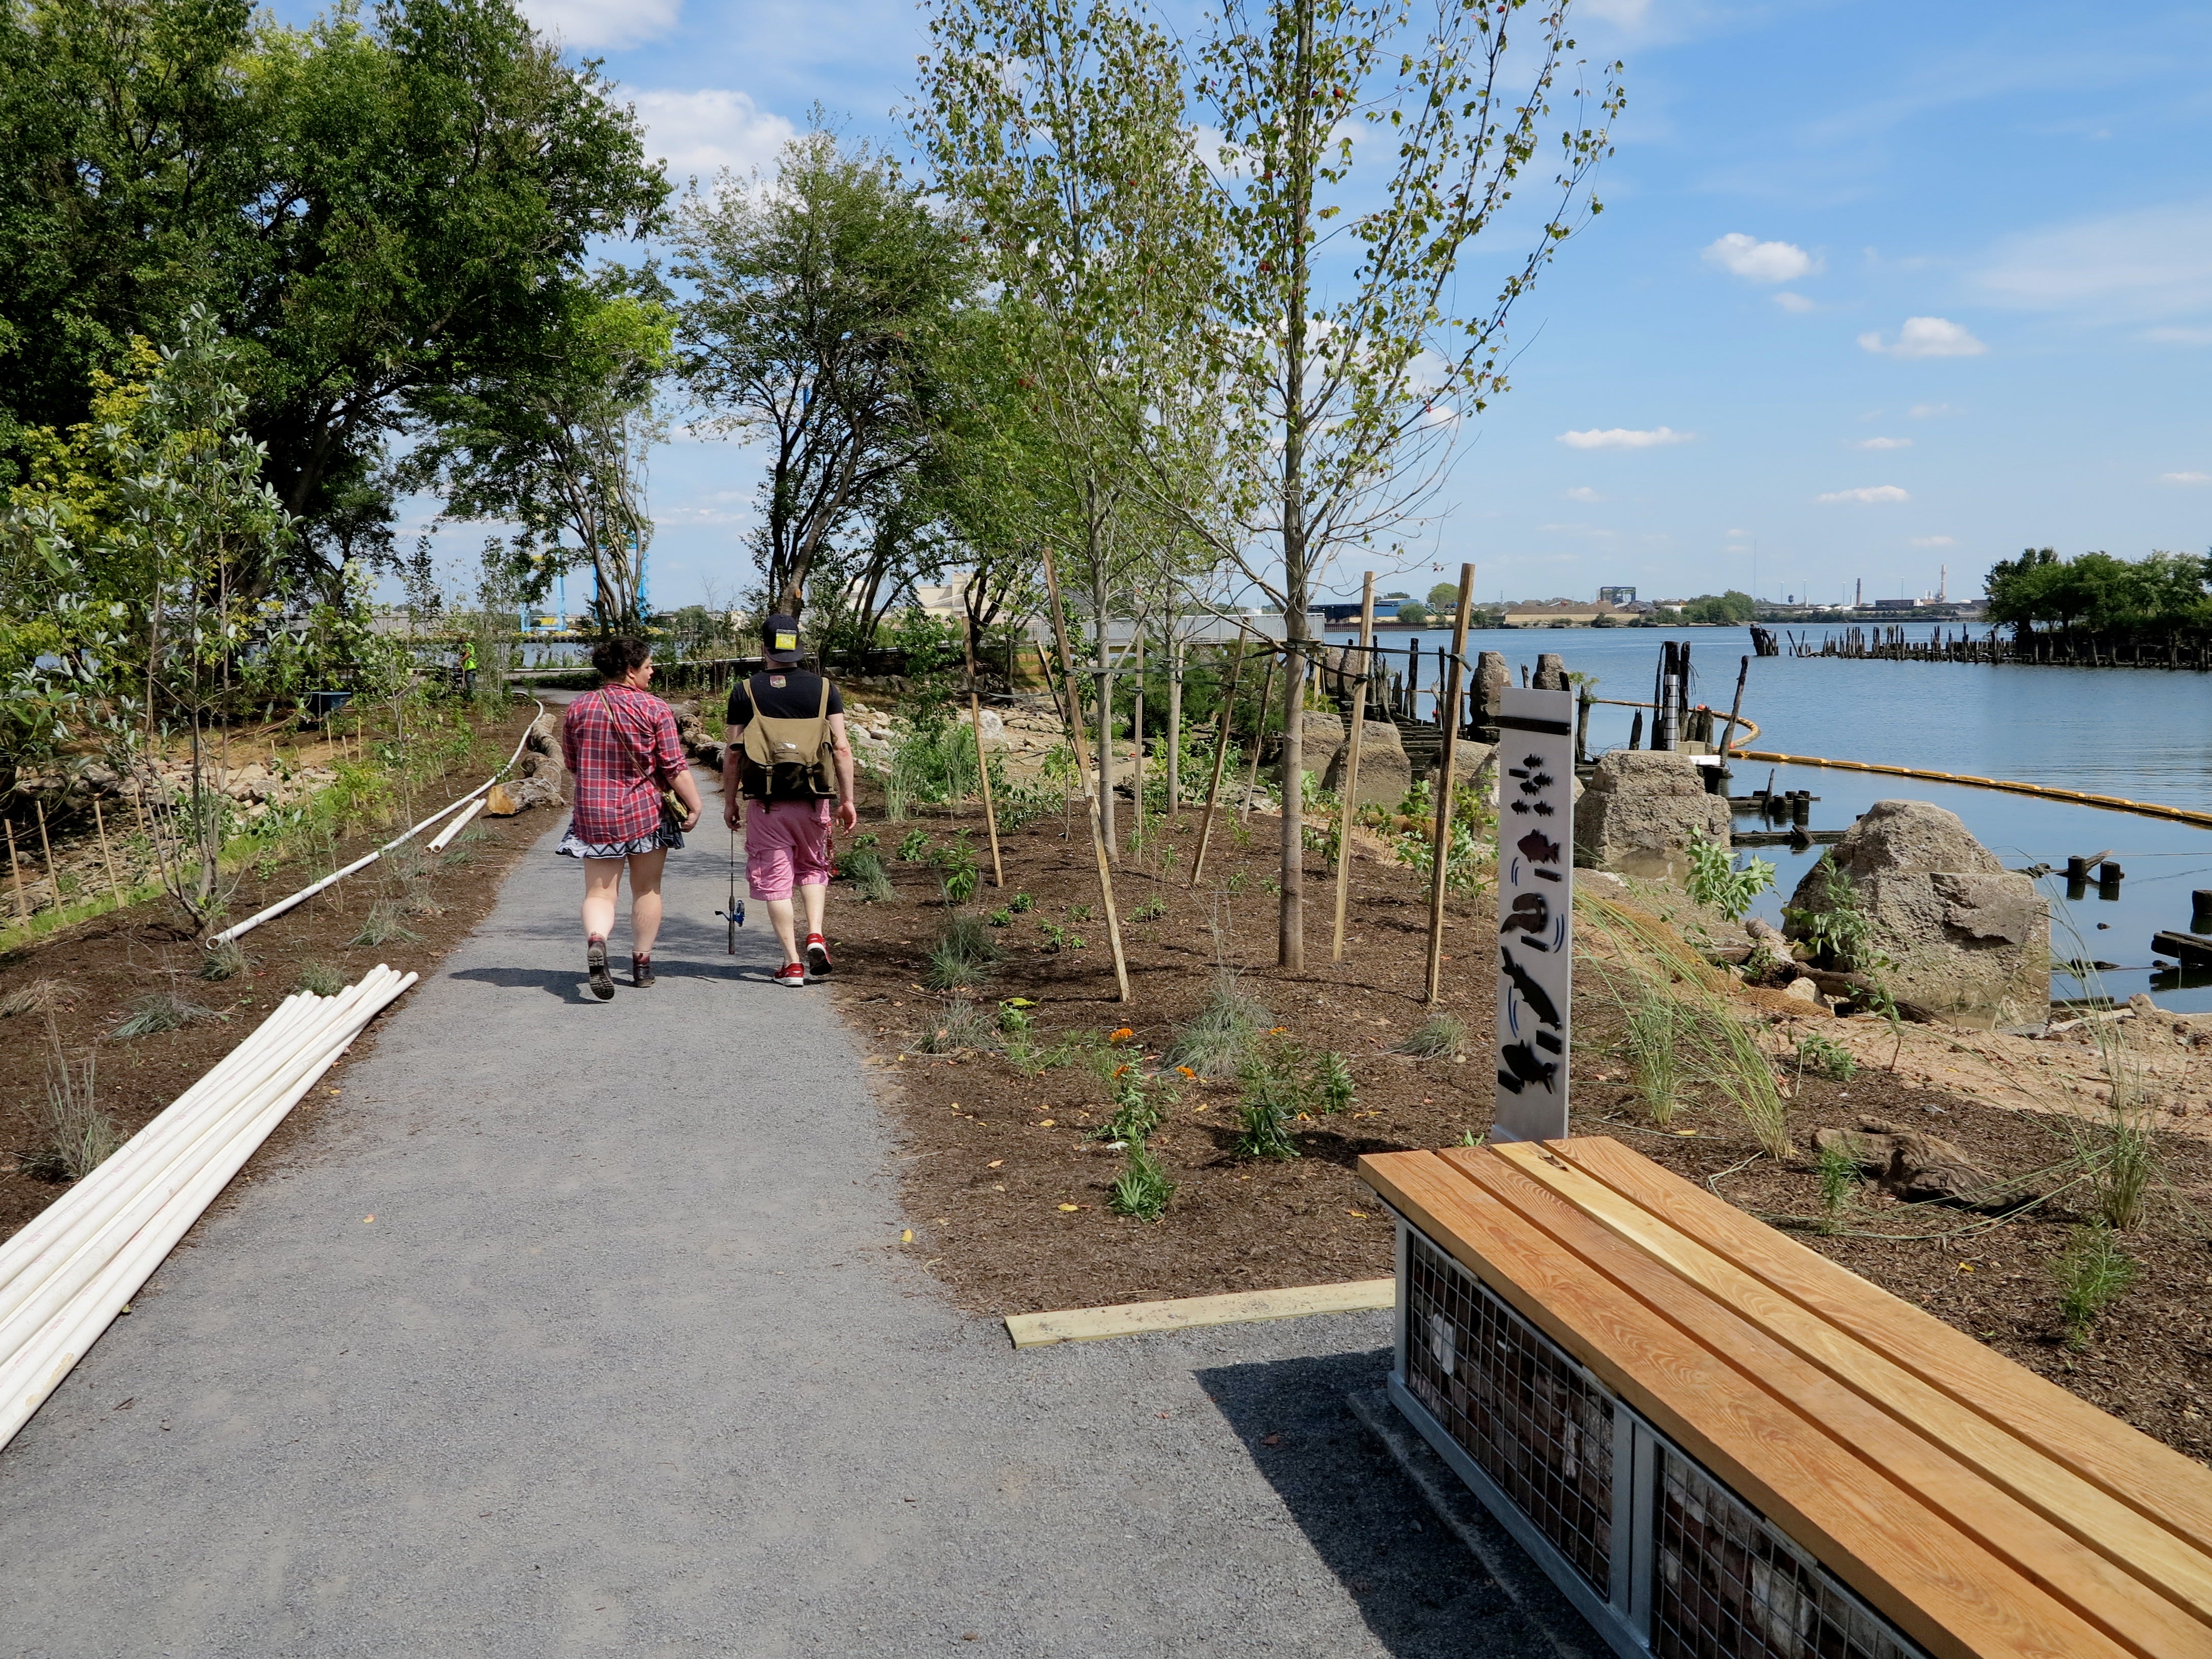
[1817, 1054]
[864, 867]
[1272, 1096]
[1142, 1190]
[1723, 885]
[320, 979]
[223, 961]
[2093, 1273]
[385, 924]
[1442, 1037]
[1332, 1083]
[959, 1023]
[163, 1010]
[1838, 1169]
[963, 955]
[912, 846]
[1139, 1108]
[1219, 1037]
[1657, 1028]
[75, 1136]
[1059, 938]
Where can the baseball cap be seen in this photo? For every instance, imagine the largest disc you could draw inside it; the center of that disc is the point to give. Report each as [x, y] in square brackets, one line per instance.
[780, 639]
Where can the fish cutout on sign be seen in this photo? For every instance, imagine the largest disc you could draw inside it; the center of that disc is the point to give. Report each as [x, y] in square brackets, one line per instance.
[1522, 1067]
[1538, 999]
[1530, 915]
[1538, 848]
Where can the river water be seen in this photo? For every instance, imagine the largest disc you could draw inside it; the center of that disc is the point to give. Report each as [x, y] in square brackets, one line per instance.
[2142, 733]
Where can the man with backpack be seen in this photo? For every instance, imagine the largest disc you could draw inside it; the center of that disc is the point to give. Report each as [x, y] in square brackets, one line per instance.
[786, 761]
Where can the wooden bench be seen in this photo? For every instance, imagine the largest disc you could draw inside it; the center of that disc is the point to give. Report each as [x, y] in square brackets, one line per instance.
[1722, 1444]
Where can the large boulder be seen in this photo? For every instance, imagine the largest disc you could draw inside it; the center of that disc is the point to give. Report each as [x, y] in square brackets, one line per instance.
[1474, 766]
[1968, 938]
[1385, 773]
[1321, 734]
[1491, 676]
[1551, 672]
[1641, 809]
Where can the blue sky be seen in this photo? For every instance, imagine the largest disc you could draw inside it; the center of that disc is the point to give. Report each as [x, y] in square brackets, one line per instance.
[1879, 289]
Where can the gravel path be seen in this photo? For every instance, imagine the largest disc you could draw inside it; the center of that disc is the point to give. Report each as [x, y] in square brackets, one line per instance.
[630, 1361]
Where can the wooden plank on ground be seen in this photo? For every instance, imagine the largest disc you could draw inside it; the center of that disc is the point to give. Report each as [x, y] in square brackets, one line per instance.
[1943, 1588]
[2131, 1601]
[2144, 1474]
[1188, 1313]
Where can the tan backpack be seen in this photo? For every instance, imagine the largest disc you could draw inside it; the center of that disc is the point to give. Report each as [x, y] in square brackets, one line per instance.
[795, 756]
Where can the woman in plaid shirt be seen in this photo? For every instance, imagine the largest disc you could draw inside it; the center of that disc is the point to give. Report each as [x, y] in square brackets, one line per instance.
[622, 748]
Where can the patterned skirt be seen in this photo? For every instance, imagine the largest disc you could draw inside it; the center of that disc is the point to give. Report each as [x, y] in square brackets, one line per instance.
[667, 835]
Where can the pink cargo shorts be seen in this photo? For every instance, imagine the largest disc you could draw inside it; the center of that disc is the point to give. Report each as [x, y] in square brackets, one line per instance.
[787, 844]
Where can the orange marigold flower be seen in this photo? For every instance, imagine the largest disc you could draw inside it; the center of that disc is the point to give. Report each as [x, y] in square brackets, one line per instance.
[1187, 1073]
[1122, 1036]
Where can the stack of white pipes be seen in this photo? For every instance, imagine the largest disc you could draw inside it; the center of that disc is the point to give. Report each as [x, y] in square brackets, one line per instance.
[65, 1276]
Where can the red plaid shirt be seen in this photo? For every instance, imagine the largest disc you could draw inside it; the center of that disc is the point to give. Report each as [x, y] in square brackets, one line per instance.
[622, 748]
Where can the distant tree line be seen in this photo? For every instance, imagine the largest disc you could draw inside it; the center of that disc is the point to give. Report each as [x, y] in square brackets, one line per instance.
[2100, 595]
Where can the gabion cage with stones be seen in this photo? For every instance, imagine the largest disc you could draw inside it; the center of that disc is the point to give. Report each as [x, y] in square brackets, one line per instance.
[1660, 1555]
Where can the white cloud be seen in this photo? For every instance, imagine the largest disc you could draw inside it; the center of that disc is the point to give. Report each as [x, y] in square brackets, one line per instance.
[1580, 493]
[700, 133]
[1739, 532]
[1935, 541]
[1761, 262]
[2185, 478]
[1883, 443]
[2178, 336]
[1625, 13]
[1869, 494]
[603, 22]
[2153, 262]
[1929, 411]
[1794, 302]
[1927, 337]
[1621, 437]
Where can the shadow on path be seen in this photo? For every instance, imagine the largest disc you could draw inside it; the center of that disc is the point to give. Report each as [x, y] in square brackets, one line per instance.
[1418, 1590]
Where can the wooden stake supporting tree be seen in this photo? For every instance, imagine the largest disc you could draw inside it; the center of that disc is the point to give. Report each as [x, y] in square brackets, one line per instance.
[108, 854]
[1174, 721]
[53, 876]
[16, 869]
[1220, 760]
[1258, 736]
[1447, 755]
[1352, 764]
[1096, 811]
[983, 764]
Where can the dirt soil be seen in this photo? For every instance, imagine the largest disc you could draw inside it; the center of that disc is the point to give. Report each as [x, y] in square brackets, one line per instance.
[1008, 1189]
[105, 964]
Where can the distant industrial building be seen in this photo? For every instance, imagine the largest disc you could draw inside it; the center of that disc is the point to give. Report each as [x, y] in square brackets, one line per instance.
[1567, 613]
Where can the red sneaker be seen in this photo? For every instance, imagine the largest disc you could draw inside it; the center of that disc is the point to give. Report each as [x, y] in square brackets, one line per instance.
[818, 956]
[793, 973]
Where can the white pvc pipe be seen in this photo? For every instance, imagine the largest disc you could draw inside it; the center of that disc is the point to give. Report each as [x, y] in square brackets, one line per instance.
[438, 845]
[96, 1193]
[309, 892]
[38, 1365]
[33, 1292]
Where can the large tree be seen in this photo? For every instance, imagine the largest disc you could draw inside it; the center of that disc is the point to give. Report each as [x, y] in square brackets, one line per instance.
[373, 211]
[818, 293]
[1365, 148]
[1061, 127]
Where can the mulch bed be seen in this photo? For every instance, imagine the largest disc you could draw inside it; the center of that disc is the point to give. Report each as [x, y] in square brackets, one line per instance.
[996, 1156]
[108, 963]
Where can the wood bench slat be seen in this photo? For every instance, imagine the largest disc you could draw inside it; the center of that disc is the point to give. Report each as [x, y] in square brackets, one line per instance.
[2145, 1474]
[2113, 1566]
[1938, 1584]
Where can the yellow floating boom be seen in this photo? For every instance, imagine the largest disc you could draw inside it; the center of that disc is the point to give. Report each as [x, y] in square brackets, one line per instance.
[2048, 791]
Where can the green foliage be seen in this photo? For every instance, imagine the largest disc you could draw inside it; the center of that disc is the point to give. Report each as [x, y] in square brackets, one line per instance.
[74, 1136]
[956, 868]
[1440, 1037]
[1727, 888]
[1140, 1106]
[387, 207]
[1731, 608]
[1657, 1025]
[1058, 939]
[912, 847]
[1151, 910]
[1273, 1094]
[1221, 1035]
[223, 961]
[2160, 591]
[864, 867]
[963, 955]
[1142, 1190]
[385, 924]
[1817, 1054]
[2093, 1273]
[320, 979]
[956, 1026]
[1332, 1083]
[1838, 924]
[159, 1010]
[1020, 902]
[1837, 1170]
[1444, 598]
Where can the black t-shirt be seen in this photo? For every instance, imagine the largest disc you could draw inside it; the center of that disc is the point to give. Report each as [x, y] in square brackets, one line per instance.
[786, 694]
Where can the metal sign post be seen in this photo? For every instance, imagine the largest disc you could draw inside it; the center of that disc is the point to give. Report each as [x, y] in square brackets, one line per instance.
[1535, 911]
